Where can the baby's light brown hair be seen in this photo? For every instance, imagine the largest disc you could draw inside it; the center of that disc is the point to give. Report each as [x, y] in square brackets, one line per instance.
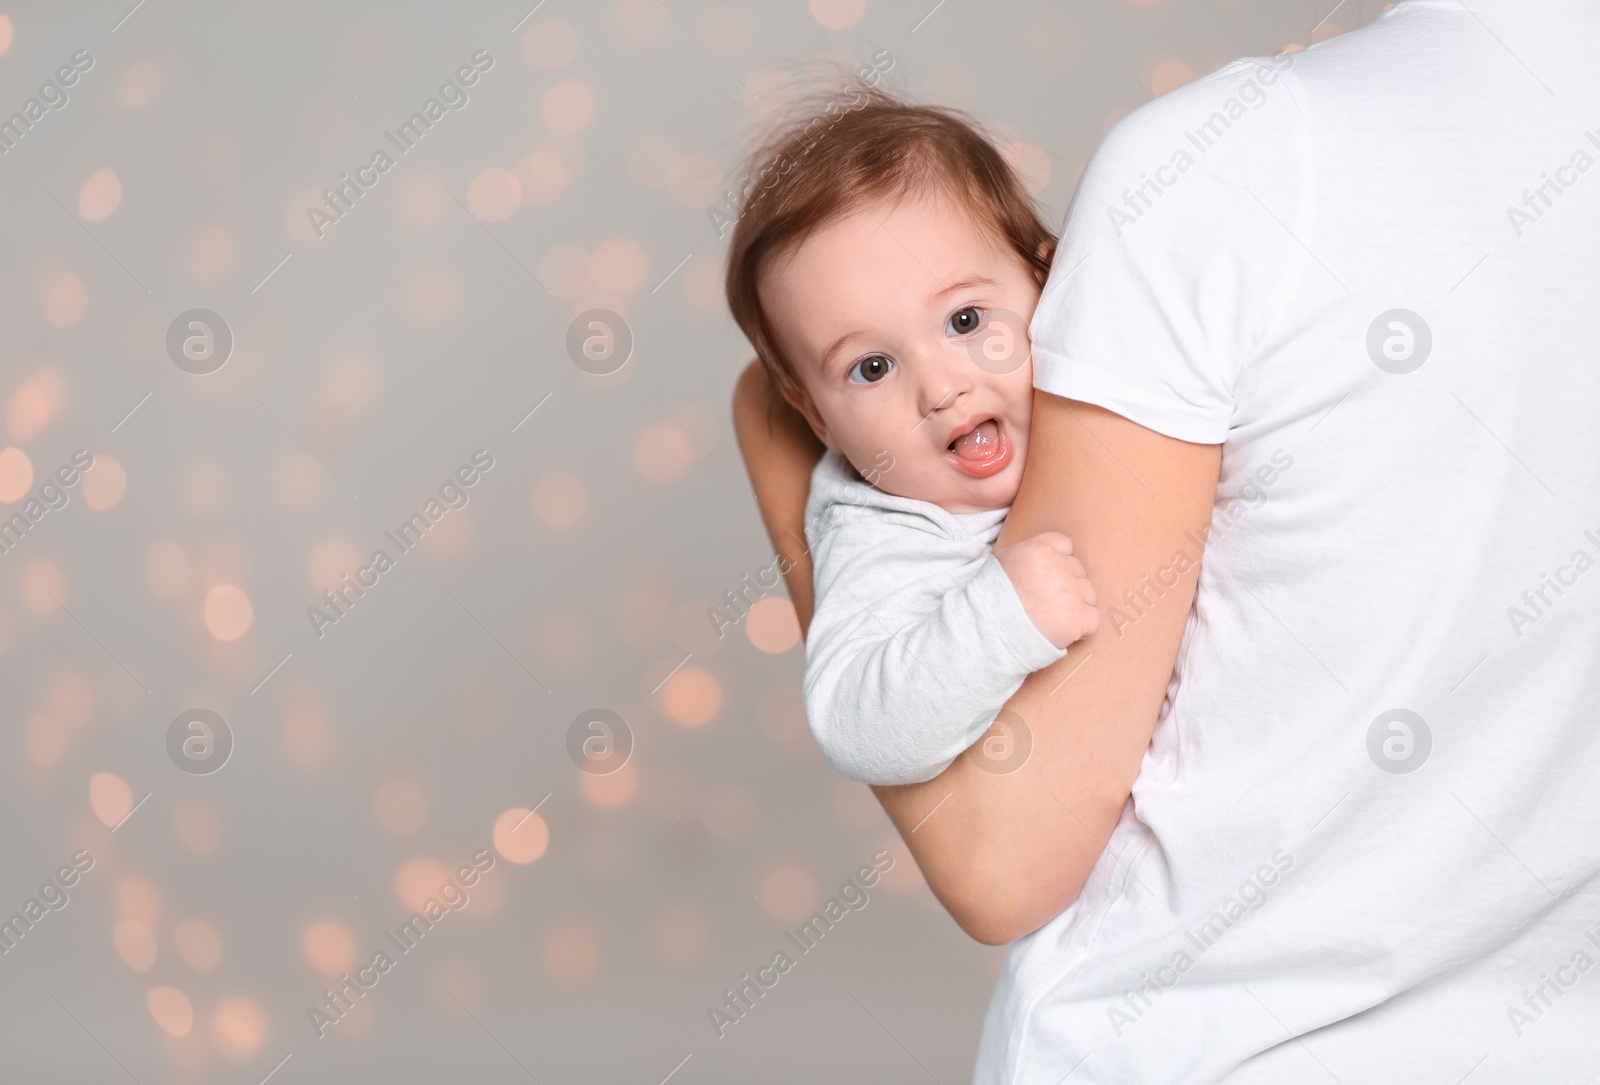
[850, 148]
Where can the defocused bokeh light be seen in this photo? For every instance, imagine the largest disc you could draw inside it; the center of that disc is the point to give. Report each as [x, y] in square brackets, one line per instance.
[590, 167]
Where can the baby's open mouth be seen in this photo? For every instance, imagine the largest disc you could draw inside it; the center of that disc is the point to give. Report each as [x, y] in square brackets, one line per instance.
[982, 450]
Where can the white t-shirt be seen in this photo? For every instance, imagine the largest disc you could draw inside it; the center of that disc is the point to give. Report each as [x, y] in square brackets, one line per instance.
[1364, 842]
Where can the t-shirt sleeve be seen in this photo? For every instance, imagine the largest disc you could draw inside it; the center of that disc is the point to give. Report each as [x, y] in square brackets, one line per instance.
[900, 682]
[1186, 235]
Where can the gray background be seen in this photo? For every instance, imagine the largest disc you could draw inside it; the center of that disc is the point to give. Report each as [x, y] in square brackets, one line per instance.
[367, 367]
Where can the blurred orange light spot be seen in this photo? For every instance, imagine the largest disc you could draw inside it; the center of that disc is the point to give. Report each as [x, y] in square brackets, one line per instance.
[400, 806]
[727, 28]
[329, 947]
[694, 181]
[101, 195]
[198, 827]
[639, 20]
[702, 284]
[238, 1026]
[46, 739]
[172, 1010]
[136, 944]
[66, 301]
[520, 836]
[44, 585]
[692, 697]
[110, 798]
[309, 736]
[213, 253]
[297, 479]
[619, 265]
[198, 944]
[418, 881]
[544, 174]
[560, 500]
[16, 474]
[789, 893]
[772, 625]
[494, 194]
[141, 85]
[422, 200]
[1170, 75]
[838, 14]
[35, 404]
[138, 898]
[332, 559]
[613, 790]
[1032, 164]
[568, 106]
[72, 697]
[227, 612]
[572, 953]
[104, 487]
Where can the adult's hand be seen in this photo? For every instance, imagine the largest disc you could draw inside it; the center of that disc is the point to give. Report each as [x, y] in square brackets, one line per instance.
[1005, 853]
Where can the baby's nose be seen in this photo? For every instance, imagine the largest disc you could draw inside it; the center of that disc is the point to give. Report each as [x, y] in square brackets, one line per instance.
[945, 383]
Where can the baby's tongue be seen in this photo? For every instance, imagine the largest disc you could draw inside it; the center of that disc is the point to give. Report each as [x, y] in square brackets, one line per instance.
[981, 444]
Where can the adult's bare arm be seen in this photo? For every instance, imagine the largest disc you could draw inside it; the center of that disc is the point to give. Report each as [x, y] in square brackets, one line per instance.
[779, 452]
[1006, 853]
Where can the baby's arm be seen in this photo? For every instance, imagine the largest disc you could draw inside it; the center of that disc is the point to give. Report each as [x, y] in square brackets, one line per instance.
[908, 660]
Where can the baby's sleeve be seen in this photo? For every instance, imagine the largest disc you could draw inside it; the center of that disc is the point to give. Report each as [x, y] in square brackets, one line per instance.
[910, 654]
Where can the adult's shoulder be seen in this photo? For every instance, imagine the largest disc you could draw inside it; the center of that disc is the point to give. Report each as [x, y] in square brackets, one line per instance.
[1179, 251]
[1219, 121]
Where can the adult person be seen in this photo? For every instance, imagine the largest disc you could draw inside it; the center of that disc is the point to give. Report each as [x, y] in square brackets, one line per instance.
[1327, 813]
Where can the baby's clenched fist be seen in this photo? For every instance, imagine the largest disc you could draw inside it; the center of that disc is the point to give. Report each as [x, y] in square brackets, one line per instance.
[1053, 587]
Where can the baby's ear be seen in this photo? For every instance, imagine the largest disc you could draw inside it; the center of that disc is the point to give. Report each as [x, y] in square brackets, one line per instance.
[807, 410]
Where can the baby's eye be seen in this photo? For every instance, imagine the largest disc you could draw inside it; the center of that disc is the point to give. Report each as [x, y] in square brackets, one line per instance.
[966, 321]
[871, 369]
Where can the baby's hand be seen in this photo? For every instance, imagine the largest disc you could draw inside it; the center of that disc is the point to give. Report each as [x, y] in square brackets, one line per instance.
[1053, 587]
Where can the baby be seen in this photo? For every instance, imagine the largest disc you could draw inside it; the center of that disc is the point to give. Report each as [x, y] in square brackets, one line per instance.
[885, 268]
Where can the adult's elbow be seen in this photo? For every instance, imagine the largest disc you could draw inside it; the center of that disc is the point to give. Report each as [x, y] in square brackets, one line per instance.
[1000, 922]
[998, 890]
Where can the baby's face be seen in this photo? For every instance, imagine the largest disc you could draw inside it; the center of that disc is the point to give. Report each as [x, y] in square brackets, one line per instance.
[908, 328]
